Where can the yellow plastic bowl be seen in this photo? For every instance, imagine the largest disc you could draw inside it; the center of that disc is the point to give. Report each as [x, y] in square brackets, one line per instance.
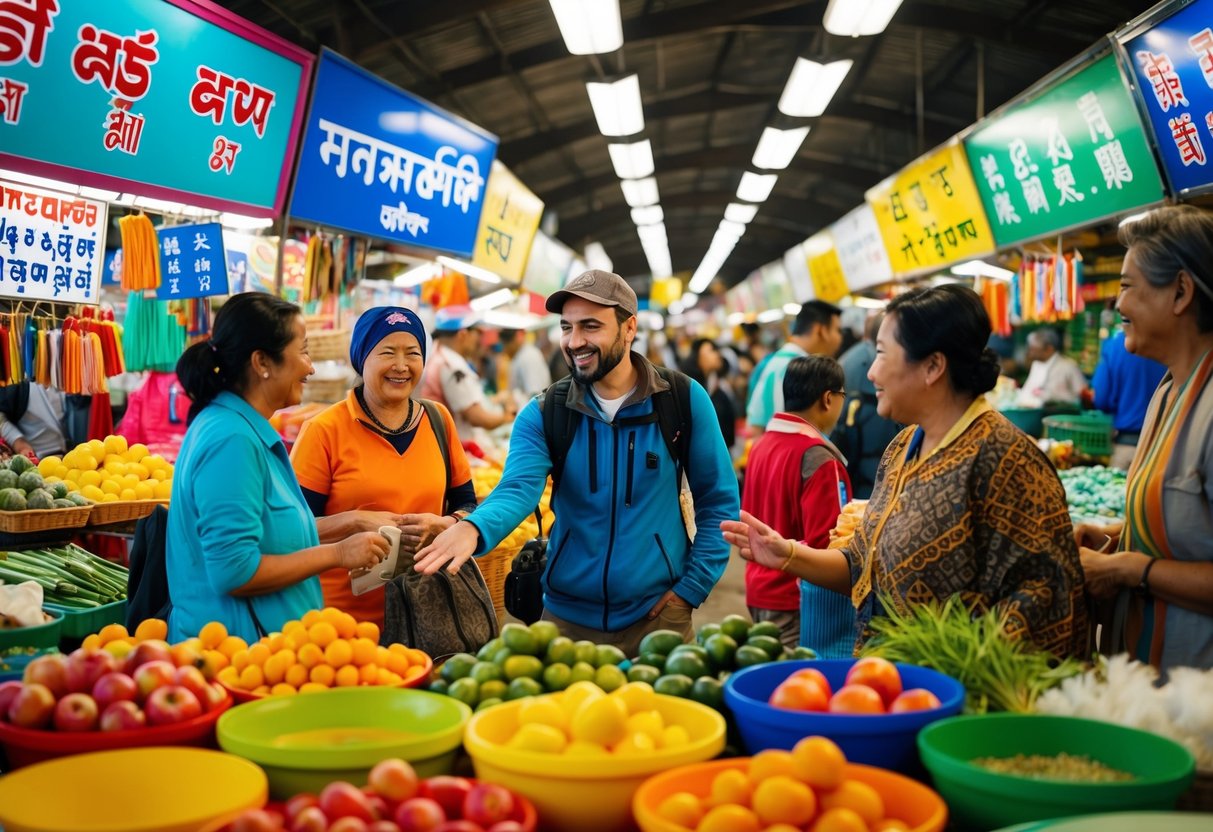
[589, 794]
[130, 790]
[905, 799]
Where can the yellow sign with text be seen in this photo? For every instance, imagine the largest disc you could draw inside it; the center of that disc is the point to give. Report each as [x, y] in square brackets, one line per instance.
[930, 213]
[825, 269]
[508, 223]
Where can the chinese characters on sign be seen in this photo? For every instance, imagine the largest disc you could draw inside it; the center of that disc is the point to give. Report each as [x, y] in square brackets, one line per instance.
[860, 250]
[1073, 154]
[51, 245]
[508, 223]
[192, 261]
[930, 214]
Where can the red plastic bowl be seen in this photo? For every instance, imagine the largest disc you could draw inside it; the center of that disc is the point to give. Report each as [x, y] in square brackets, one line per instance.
[26, 746]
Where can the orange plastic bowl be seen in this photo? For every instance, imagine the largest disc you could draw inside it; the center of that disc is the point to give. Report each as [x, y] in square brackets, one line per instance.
[905, 799]
[242, 696]
[26, 746]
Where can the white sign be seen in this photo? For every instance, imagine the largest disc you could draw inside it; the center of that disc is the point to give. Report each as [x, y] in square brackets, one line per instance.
[51, 245]
[797, 266]
[865, 262]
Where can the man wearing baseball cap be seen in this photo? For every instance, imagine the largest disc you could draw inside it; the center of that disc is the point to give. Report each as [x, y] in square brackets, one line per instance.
[621, 559]
[450, 377]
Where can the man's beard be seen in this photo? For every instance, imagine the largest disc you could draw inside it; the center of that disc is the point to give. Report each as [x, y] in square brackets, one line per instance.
[603, 365]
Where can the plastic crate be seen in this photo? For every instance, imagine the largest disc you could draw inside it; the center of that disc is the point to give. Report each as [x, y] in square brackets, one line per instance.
[39, 635]
[1028, 419]
[80, 623]
[1091, 433]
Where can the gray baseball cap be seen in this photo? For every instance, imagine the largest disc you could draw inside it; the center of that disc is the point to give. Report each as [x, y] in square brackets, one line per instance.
[596, 286]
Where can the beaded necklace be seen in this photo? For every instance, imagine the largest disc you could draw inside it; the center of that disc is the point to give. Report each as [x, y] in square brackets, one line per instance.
[384, 429]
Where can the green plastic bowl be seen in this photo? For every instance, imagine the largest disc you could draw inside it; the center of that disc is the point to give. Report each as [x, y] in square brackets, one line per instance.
[307, 741]
[982, 799]
[40, 635]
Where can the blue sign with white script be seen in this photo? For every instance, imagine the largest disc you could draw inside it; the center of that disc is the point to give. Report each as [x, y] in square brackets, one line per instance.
[192, 261]
[381, 162]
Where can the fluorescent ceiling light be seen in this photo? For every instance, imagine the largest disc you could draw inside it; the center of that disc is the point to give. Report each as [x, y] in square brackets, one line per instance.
[589, 27]
[689, 299]
[632, 161]
[639, 192]
[980, 268]
[811, 86]
[616, 106]
[649, 215]
[730, 228]
[652, 232]
[511, 320]
[777, 148]
[597, 258]
[852, 18]
[492, 300]
[770, 316]
[736, 319]
[659, 264]
[790, 309]
[702, 279]
[675, 308]
[756, 187]
[417, 275]
[736, 212]
[468, 269]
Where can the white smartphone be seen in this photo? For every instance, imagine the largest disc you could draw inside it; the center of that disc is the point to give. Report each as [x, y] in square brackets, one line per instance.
[382, 572]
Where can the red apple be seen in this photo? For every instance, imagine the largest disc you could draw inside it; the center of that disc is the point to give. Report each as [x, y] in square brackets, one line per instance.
[419, 814]
[8, 692]
[50, 672]
[170, 705]
[383, 826]
[298, 803]
[152, 650]
[215, 696]
[309, 819]
[123, 715]
[32, 707]
[341, 800]
[379, 807]
[450, 792]
[393, 779]
[114, 687]
[85, 667]
[191, 678]
[507, 826]
[76, 712]
[348, 824]
[488, 803]
[255, 820]
[153, 675]
[459, 825]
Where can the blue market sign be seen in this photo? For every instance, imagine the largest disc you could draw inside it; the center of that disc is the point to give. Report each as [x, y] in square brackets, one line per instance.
[192, 261]
[383, 163]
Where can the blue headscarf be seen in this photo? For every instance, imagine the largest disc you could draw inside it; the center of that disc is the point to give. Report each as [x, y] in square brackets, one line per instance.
[377, 323]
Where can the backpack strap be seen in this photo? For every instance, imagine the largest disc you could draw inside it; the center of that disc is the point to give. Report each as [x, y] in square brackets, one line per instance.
[673, 411]
[559, 425]
[439, 427]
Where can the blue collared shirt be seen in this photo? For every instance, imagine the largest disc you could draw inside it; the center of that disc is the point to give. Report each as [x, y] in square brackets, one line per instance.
[235, 498]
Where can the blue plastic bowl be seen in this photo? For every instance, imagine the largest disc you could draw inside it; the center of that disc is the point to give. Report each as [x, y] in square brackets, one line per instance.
[883, 740]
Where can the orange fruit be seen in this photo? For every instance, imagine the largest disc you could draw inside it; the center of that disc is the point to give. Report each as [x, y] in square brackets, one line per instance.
[397, 647]
[383, 676]
[859, 797]
[784, 799]
[275, 642]
[295, 630]
[412, 673]
[309, 618]
[729, 818]
[240, 660]
[393, 680]
[229, 676]
[112, 632]
[368, 674]
[283, 689]
[347, 676]
[398, 663]
[231, 644]
[152, 628]
[840, 820]
[92, 642]
[890, 825]
[258, 653]
[296, 675]
[730, 786]
[212, 662]
[251, 677]
[799, 694]
[322, 674]
[275, 668]
[347, 626]
[367, 629]
[771, 763]
[819, 762]
[312, 687]
[309, 655]
[417, 657]
[322, 633]
[681, 808]
[186, 653]
[339, 653]
[261, 690]
[381, 655]
[364, 651]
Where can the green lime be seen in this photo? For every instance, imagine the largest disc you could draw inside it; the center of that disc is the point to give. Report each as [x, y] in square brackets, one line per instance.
[544, 632]
[586, 651]
[438, 686]
[802, 652]
[517, 667]
[772, 646]
[458, 666]
[674, 685]
[735, 626]
[501, 655]
[686, 664]
[486, 672]
[557, 676]
[608, 654]
[494, 688]
[488, 703]
[486, 653]
[721, 649]
[660, 641]
[708, 691]
[748, 655]
[523, 686]
[561, 649]
[694, 649]
[465, 690]
[609, 677]
[764, 628]
[519, 639]
[582, 672]
[656, 660]
[643, 673]
[706, 632]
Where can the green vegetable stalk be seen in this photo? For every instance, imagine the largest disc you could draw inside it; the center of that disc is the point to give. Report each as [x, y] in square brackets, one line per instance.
[999, 671]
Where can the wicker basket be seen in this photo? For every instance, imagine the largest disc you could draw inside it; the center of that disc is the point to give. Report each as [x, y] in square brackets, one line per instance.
[329, 345]
[495, 566]
[123, 511]
[325, 390]
[44, 519]
[1199, 798]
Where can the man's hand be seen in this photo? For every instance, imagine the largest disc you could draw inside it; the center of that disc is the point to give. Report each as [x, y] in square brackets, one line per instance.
[669, 599]
[454, 546]
[419, 530]
[23, 447]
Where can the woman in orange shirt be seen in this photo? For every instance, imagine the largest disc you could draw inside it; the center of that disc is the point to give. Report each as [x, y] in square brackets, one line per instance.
[374, 460]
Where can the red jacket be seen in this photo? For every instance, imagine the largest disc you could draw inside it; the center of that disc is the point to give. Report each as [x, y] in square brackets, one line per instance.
[798, 508]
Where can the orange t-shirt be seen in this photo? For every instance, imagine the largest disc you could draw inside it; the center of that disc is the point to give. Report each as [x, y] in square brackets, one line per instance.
[337, 454]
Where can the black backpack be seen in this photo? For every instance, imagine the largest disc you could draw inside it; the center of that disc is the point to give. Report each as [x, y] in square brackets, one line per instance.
[147, 593]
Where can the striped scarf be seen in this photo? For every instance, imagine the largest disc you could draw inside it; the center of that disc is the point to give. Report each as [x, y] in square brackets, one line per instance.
[1144, 521]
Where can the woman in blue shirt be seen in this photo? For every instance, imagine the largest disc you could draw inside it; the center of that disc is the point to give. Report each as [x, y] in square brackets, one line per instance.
[242, 545]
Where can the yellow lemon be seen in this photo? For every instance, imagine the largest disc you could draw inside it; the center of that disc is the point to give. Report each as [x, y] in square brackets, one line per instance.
[602, 721]
[89, 478]
[136, 453]
[542, 738]
[110, 487]
[145, 491]
[92, 492]
[649, 723]
[61, 471]
[139, 470]
[74, 475]
[47, 466]
[115, 467]
[633, 745]
[543, 710]
[577, 694]
[87, 462]
[96, 448]
[128, 494]
[674, 736]
[129, 480]
[115, 444]
[112, 458]
[638, 696]
[585, 749]
[110, 498]
[163, 489]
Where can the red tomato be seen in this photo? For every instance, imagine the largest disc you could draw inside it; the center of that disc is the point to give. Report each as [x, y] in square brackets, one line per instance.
[449, 792]
[917, 699]
[814, 675]
[799, 695]
[488, 803]
[879, 674]
[856, 699]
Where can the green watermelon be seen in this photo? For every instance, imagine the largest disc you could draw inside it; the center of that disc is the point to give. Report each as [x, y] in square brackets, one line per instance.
[29, 481]
[12, 499]
[20, 464]
[77, 499]
[64, 504]
[8, 479]
[58, 490]
[39, 498]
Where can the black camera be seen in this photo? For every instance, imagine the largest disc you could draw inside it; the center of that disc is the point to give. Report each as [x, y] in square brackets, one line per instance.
[523, 586]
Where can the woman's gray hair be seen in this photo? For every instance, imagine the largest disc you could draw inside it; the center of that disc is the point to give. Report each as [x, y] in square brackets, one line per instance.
[1171, 239]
